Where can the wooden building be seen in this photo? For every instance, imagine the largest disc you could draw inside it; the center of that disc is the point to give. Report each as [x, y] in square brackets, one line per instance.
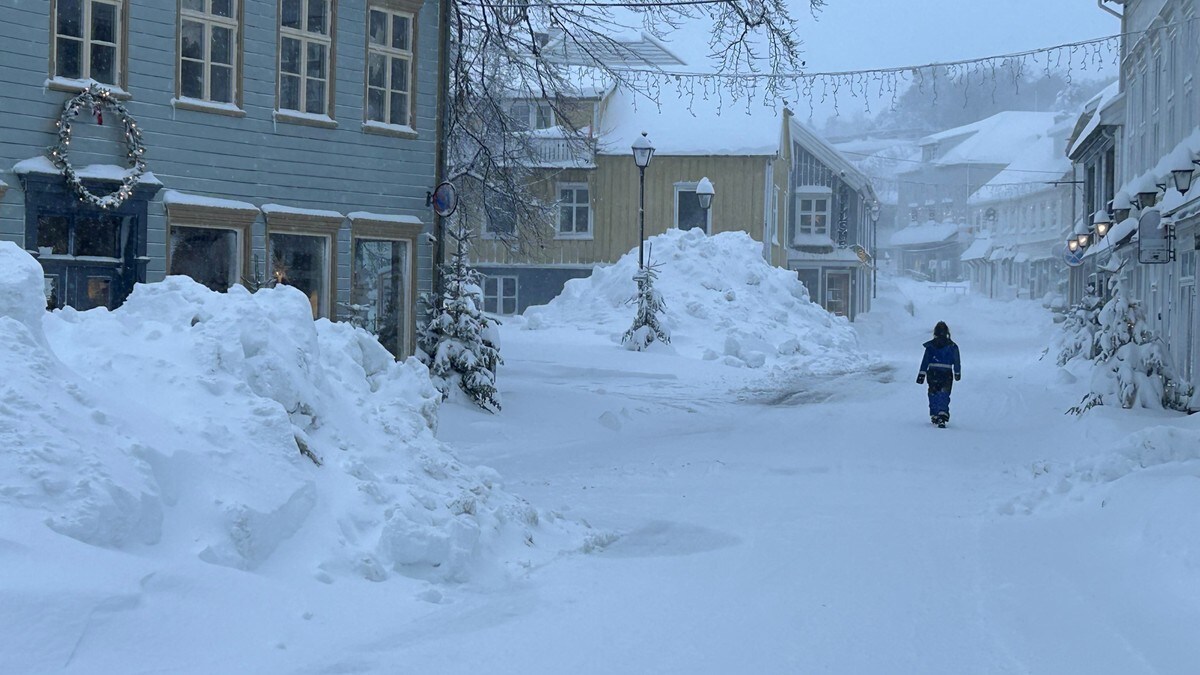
[286, 140]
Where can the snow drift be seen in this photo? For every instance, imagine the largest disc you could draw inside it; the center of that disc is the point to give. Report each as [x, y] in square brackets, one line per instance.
[234, 428]
[723, 301]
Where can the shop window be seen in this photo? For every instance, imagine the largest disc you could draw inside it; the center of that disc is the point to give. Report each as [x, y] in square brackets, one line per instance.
[209, 255]
[302, 261]
[380, 298]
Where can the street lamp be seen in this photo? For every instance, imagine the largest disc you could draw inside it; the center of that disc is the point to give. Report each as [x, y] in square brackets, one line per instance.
[1183, 174]
[1102, 221]
[705, 192]
[1121, 206]
[643, 152]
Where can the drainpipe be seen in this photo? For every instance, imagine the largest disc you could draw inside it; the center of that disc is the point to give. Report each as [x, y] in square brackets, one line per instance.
[440, 150]
[1110, 10]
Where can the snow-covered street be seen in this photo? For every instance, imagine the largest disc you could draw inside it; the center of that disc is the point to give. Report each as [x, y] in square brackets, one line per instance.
[668, 511]
[828, 527]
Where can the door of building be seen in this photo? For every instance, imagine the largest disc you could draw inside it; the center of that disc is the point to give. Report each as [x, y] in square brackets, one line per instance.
[83, 257]
[837, 293]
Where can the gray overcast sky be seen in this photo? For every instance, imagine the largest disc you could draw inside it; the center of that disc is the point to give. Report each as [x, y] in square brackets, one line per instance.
[858, 34]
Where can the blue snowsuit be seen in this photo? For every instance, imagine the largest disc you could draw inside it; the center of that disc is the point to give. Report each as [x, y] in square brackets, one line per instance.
[940, 367]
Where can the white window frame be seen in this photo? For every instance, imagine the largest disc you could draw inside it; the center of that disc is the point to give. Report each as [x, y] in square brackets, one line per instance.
[813, 193]
[576, 233]
[390, 54]
[209, 21]
[305, 38]
[86, 41]
[689, 186]
[498, 297]
[533, 107]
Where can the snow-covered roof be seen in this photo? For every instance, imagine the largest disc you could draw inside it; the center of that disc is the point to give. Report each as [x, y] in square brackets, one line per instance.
[279, 208]
[384, 218]
[995, 140]
[1032, 169]
[929, 232]
[978, 249]
[631, 49]
[717, 125]
[41, 164]
[1115, 237]
[182, 198]
[1093, 111]
[1179, 156]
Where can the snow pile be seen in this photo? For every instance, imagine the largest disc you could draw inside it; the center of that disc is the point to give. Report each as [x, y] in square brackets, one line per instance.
[233, 428]
[723, 301]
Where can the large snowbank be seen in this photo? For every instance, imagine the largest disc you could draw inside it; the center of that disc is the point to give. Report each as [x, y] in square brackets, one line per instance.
[175, 426]
[723, 301]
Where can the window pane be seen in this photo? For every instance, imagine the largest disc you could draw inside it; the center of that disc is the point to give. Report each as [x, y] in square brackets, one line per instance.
[376, 70]
[300, 261]
[194, 5]
[375, 105]
[67, 62]
[316, 16]
[400, 74]
[104, 64]
[192, 40]
[221, 49]
[581, 195]
[545, 116]
[566, 195]
[509, 306]
[316, 60]
[581, 219]
[399, 111]
[378, 298]
[289, 55]
[821, 204]
[806, 205]
[290, 17]
[520, 115]
[223, 8]
[51, 285]
[689, 211]
[191, 79]
[289, 92]
[97, 236]
[70, 18]
[314, 96]
[208, 255]
[104, 22]
[400, 32]
[378, 28]
[564, 219]
[489, 287]
[54, 233]
[99, 294]
[221, 87]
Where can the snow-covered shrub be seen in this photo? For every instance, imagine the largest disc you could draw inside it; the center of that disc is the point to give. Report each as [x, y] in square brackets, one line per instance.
[460, 343]
[1077, 337]
[1132, 366]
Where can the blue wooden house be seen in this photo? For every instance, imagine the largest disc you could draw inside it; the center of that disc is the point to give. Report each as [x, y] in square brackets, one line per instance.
[284, 141]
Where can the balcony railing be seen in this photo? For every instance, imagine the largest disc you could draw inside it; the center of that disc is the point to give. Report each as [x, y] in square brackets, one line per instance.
[560, 151]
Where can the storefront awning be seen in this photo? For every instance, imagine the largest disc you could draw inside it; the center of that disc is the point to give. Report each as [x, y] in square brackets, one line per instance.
[977, 250]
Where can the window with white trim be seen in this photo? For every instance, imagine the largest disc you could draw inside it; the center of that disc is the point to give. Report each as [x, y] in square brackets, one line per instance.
[812, 214]
[532, 115]
[500, 294]
[574, 210]
[305, 46]
[389, 66]
[87, 40]
[208, 46]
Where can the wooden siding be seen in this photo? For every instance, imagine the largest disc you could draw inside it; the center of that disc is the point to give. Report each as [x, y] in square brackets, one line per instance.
[252, 158]
[740, 184]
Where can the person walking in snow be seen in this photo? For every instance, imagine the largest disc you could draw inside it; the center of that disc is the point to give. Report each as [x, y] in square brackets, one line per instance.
[939, 365]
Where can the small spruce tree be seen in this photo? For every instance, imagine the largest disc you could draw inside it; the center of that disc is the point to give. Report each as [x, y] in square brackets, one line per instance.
[646, 327]
[1132, 366]
[460, 344]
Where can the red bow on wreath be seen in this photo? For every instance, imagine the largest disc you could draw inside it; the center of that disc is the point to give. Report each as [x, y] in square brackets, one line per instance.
[99, 113]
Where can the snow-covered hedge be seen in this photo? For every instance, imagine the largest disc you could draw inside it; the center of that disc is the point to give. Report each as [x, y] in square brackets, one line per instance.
[193, 422]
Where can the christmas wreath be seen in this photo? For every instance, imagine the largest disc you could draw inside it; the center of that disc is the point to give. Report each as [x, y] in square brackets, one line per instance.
[97, 100]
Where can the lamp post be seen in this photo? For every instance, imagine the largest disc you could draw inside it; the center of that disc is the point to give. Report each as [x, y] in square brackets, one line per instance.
[642, 154]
